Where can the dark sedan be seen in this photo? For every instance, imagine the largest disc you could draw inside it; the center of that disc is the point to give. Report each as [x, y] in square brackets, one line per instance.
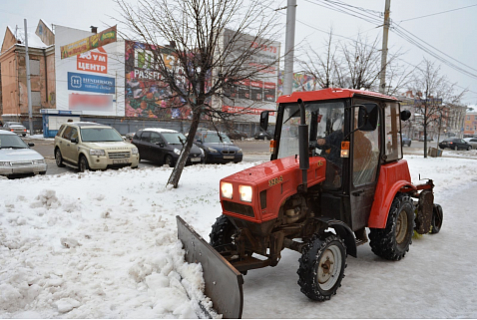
[164, 146]
[455, 144]
[217, 147]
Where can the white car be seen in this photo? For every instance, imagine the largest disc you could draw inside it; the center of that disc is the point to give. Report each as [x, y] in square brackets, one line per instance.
[16, 157]
[15, 127]
[472, 142]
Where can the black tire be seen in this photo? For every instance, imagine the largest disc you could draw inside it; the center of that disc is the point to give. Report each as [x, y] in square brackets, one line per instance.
[59, 158]
[322, 267]
[222, 232]
[169, 161]
[409, 144]
[83, 164]
[43, 173]
[393, 241]
[469, 147]
[436, 221]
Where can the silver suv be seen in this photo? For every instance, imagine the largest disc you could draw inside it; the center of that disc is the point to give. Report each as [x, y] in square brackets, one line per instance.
[86, 145]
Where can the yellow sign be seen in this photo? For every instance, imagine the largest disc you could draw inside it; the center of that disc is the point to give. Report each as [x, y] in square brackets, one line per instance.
[275, 181]
[90, 43]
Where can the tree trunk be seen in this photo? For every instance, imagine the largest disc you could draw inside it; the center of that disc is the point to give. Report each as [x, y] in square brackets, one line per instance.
[181, 162]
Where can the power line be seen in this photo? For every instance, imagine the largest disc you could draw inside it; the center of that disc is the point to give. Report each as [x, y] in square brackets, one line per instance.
[434, 14]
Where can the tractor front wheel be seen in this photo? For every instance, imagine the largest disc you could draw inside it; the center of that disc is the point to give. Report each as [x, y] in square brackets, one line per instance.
[393, 241]
[221, 234]
[322, 267]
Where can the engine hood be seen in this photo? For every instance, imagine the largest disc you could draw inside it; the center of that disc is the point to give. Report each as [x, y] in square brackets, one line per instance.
[19, 154]
[110, 146]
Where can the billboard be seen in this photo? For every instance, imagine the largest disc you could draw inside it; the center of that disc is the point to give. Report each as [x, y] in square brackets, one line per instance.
[92, 42]
[147, 95]
[87, 81]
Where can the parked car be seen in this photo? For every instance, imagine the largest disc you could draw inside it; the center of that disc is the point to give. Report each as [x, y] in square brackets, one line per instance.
[263, 135]
[455, 144]
[472, 142]
[15, 127]
[217, 147]
[406, 141]
[16, 157]
[164, 146]
[86, 145]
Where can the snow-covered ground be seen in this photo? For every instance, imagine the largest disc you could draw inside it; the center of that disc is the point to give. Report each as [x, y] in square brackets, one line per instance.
[104, 245]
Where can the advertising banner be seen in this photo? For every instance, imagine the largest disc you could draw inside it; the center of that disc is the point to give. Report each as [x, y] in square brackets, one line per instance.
[89, 83]
[92, 42]
[147, 94]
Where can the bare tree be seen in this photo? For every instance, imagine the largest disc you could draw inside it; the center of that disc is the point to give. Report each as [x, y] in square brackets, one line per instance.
[321, 67]
[355, 64]
[214, 44]
[433, 89]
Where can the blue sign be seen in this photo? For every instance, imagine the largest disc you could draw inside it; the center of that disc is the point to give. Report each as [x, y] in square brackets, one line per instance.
[89, 83]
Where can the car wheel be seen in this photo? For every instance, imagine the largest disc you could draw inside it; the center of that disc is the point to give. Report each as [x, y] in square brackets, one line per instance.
[409, 144]
[83, 164]
[168, 161]
[469, 147]
[59, 158]
[24, 134]
[322, 267]
[43, 173]
[393, 241]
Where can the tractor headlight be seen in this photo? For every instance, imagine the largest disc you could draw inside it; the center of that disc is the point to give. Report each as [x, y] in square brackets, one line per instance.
[177, 151]
[245, 193]
[97, 152]
[227, 190]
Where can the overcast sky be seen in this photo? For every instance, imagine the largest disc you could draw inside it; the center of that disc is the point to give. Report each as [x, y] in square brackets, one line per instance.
[447, 26]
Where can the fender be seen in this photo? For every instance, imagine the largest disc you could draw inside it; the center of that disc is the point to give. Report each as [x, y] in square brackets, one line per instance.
[345, 233]
[392, 178]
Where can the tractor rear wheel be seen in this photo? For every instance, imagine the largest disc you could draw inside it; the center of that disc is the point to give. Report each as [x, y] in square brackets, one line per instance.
[437, 217]
[393, 241]
[322, 267]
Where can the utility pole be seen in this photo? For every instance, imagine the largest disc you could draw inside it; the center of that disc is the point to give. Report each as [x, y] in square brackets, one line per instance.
[384, 51]
[289, 47]
[27, 61]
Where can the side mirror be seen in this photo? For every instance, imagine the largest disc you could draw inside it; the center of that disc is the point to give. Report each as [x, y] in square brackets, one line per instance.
[264, 120]
[405, 115]
[199, 140]
[31, 144]
[74, 140]
[160, 144]
[368, 117]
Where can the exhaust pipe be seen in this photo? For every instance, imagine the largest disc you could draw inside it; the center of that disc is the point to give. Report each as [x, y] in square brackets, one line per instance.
[303, 147]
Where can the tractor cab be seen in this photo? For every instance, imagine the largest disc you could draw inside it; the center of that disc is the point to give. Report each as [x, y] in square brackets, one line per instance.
[355, 132]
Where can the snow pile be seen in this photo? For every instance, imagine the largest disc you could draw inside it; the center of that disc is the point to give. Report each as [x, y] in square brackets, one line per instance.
[104, 245]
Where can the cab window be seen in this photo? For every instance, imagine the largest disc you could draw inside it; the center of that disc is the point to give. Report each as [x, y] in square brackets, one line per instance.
[392, 127]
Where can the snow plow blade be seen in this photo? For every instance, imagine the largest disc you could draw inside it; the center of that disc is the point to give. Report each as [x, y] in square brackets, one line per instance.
[223, 283]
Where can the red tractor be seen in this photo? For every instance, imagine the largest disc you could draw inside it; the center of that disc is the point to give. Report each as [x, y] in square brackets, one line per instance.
[336, 169]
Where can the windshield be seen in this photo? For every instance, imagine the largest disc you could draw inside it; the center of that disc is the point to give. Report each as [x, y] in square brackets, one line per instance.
[14, 124]
[11, 142]
[322, 118]
[100, 135]
[213, 137]
[174, 137]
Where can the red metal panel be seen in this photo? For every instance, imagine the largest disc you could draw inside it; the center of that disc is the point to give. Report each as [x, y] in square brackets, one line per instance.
[279, 177]
[392, 177]
[330, 94]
